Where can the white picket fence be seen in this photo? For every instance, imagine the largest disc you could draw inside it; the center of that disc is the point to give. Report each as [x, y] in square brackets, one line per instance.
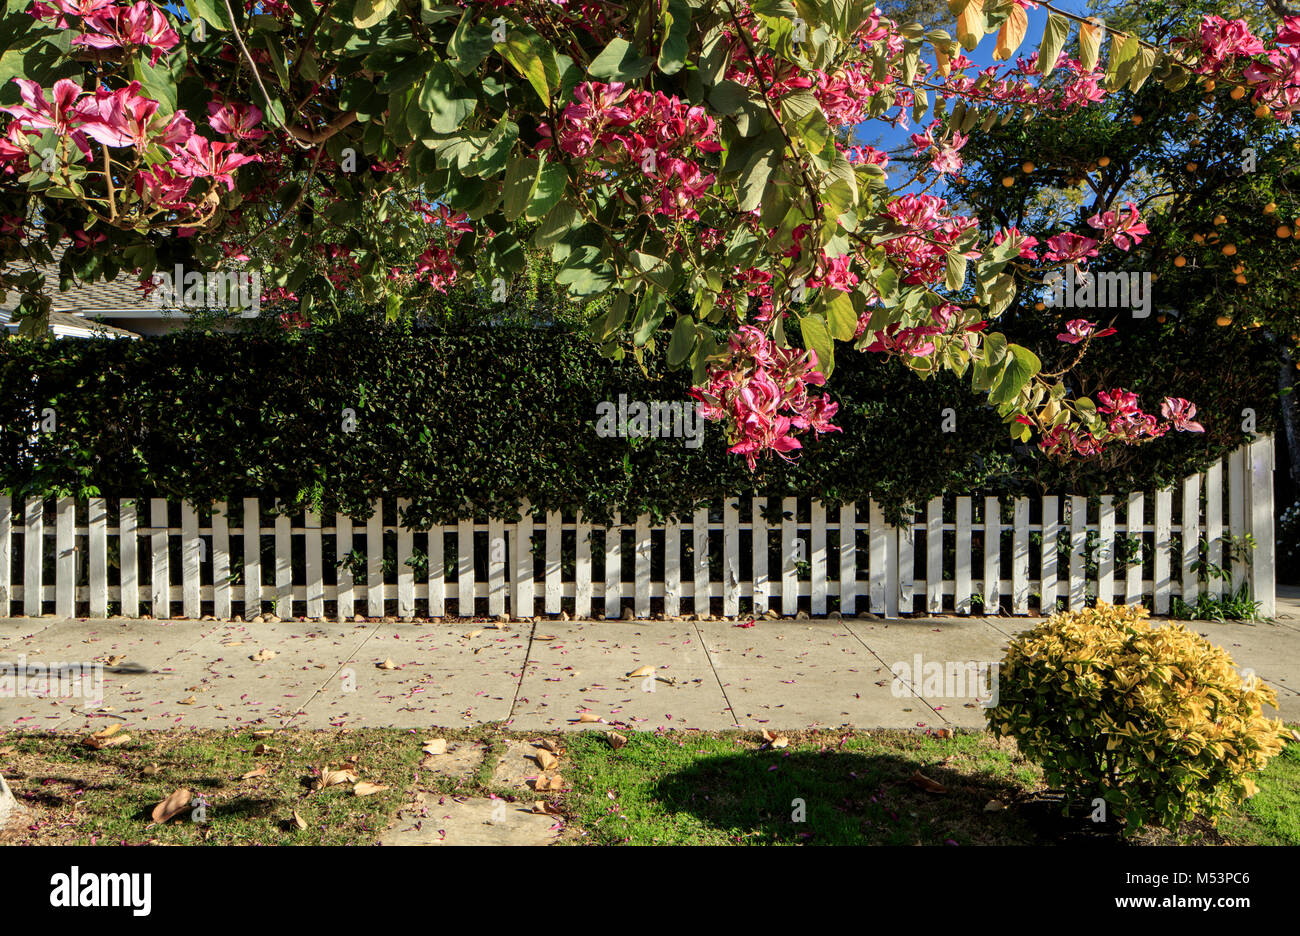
[961, 554]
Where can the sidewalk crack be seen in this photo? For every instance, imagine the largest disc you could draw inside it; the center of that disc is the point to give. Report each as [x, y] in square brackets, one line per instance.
[709, 656]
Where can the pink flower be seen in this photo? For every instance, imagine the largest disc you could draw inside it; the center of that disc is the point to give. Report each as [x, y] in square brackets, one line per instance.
[1079, 329]
[59, 115]
[1070, 246]
[1181, 413]
[236, 119]
[140, 25]
[82, 240]
[1120, 229]
[201, 159]
[1221, 39]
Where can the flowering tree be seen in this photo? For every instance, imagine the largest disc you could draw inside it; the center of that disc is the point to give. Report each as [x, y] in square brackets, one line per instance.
[655, 148]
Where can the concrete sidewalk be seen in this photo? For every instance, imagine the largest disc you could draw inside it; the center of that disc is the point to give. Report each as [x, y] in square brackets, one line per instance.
[544, 674]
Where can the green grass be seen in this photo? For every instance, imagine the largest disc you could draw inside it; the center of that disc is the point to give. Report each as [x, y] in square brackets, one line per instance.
[716, 788]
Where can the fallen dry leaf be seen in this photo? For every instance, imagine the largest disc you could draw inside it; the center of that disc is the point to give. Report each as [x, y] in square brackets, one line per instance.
[172, 806]
[189, 701]
[260, 749]
[780, 741]
[543, 808]
[261, 656]
[114, 659]
[387, 664]
[943, 733]
[105, 738]
[332, 777]
[588, 717]
[298, 820]
[551, 745]
[262, 734]
[545, 759]
[365, 788]
[472, 634]
[768, 736]
[994, 806]
[616, 740]
[922, 782]
[646, 670]
[436, 746]
[7, 750]
[152, 770]
[552, 782]
[254, 773]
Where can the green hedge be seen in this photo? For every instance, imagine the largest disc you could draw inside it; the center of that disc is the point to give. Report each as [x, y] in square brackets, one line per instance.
[472, 423]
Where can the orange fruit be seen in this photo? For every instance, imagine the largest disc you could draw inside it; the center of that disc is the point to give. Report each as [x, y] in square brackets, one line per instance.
[1027, 166]
[1239, 268]
[1008, 181]
[1209, 85]
[1211, 237]
[1220, 219]
[1191, 167]
[1136, 118]
[1199, 238]
[1240, 278]
[1104, 162]
[1261, 112]
[1283, 231]
[1039, 306]
[1223, 320]
[1229, 249]
[1161, 318]
[1180, 261]
[1237, 93]
[1270, 208]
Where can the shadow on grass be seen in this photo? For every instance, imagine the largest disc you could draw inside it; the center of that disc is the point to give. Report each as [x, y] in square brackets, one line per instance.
[850, 798]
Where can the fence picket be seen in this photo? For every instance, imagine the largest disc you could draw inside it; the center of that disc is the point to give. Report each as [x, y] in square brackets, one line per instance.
[962, 578]
[524, 605]
[437, 570]
[789, 570]
[1078, 552]
[673, 568]
[1263, 575]
[33, 556]
[1106, 549]
[497, 560]
[126, 547]
[220, 561]
[762, 587]
[906, 567]
[641, 587]
[817, 534]
[313, 550]
[582, 589]
[614, 570]
[283, 565]
[345, 590]
[6, 543]
[1047, 574]
[1189, 531]
[934, 555]
[252, 558]
[1214, 524]
[160, 555]
[465, 585]
[553, 568]
[876, 556]
[992, 555]
[1135, 526]
[1020, 557]
[1237, 515]
[375, 561]
[848, 559]
[405, 571]
[1164, 532]
[700, 547]
[97, 543]
[65, 568]
[731, 558]
[191, 559]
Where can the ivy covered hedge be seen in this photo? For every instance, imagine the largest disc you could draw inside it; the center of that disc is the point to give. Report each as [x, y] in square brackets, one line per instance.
[473, 422]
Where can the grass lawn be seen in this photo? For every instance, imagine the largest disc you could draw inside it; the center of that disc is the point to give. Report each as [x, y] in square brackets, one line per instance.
[721, 788]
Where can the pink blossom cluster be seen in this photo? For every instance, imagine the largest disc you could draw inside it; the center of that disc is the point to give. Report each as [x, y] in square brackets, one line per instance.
[1126, 423]
[105, 25]
[930, 234]
[640, 134]
[437, 265]
[124, 118]
[761, 392]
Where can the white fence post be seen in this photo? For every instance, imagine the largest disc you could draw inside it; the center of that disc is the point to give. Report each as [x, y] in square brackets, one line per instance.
[1263, 574]
[33, 556]
[6, 542]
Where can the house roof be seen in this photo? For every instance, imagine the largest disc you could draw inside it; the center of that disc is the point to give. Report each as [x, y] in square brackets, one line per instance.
[118, 295]
[67, 325]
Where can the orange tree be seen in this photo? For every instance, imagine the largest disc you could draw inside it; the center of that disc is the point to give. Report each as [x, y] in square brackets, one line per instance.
[388, 148]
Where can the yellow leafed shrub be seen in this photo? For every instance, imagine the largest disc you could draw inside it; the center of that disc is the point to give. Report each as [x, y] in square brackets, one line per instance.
[1157, 721]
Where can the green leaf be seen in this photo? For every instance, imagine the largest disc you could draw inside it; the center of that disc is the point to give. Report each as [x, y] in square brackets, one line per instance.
[955, 270]
[817, 337]
[676, 21]
[212, 12]
[683, 340]
[585, 273]
[367, 13]
[521, 177]
[1022, 365]
[843, 320]
[753, 180]
[446, 99]
[470, 44]
[157, 81]
[619, 62]
[524, 52]
[1055, 33]
[551, 182]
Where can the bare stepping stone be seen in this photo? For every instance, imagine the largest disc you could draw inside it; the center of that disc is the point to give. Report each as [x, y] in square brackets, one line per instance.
[518, 767]
[444, 821]
[461, 761]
